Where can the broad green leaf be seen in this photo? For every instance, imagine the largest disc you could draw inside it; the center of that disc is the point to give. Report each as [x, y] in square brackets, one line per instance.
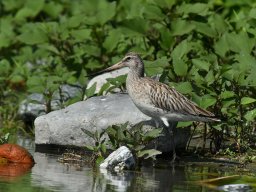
[152, 134]
[153, 12]
[117, 81]
[201, 64]
[157, 66]
[206, 101]
[33, 35]
[184, 87]
[81, 34]
[106, 10]
[181, 27]
[75, 21]
[218, 23]
[221, 46]
[196, 8]
[166, 38]
[178, 58]
[247, 100]
[250, 115]
[53, 9]
[137, 25]
[165, 3]
[11, 4]
[104, 88]
[240, 43]
[227, 94]
[91, 90]
[112, 40]
[252, 13]
[204, 28]
[210, 77]
[5, 67]
[149, 153]
[5, 41]
[31, 9]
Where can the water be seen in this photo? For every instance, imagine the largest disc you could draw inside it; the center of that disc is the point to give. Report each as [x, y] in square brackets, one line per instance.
[48, 175]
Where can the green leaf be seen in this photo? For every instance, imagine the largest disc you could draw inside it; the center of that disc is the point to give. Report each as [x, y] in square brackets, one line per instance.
[201, 64]
[247, 100]
[89, 147]
[148, 136]
[227, 94]
[196, 8]
[179, 57]
[184, 124]
[184, 87]
[250, 115]
[91, 90]
[5, 67]
[103, 147]
[33, 34]
[104, 88]
[53, 9]
[81, 34]
[99, 160]
[153, 12]
[181, 27]
[88, 133]
[112, 40]
[137, 25]
[206, 101]
[204, 28]
[149, 153]
[31, 9]
[221, 46]
[157, 66]
[106, 10]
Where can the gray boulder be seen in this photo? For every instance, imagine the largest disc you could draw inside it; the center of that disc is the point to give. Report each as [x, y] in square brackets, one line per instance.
[100, 80]
[120, 159]
[63, 127]
[34, 105]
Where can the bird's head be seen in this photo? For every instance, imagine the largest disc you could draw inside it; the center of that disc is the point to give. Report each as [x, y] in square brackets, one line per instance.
[131, 60]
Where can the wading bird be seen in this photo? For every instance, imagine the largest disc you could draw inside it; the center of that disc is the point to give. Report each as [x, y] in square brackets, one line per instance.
[157, 100]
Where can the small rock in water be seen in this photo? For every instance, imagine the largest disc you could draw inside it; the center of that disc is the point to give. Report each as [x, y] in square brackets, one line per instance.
[118, 160]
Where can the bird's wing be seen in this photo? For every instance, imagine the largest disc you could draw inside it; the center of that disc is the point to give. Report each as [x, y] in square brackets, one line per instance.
[164, 97]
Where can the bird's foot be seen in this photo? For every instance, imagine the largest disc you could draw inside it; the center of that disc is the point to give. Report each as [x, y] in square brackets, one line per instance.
[175, 159]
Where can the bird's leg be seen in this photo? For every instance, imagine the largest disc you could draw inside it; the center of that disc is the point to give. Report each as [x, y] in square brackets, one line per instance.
[157, 124]
[170, 126]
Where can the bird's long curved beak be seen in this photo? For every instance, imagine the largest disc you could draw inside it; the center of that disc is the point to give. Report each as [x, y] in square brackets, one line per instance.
[111, 68]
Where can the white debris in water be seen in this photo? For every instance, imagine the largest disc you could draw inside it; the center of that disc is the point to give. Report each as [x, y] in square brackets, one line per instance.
[118, 160]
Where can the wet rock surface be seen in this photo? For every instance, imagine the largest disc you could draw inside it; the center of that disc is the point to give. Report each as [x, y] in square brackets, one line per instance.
[120, 159]
[63, 127]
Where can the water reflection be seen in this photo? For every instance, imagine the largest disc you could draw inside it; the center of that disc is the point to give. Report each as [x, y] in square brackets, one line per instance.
[48, 175]
[148, 179]
[12, 171]
[55, 176]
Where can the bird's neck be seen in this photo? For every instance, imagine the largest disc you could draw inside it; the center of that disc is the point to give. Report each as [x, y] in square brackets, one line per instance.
[137, 72]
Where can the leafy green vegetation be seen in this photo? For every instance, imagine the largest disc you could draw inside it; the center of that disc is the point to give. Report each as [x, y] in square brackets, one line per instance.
[135, 138]
[206, 49]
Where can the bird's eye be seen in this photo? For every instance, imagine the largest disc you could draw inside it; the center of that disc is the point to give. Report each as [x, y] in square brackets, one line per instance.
[127, 59]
